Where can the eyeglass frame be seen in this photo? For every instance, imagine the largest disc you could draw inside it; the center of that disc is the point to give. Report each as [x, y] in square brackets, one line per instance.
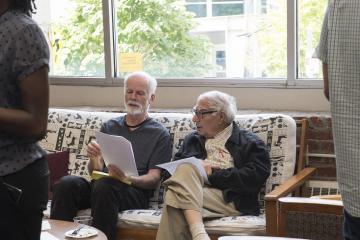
[200, 113]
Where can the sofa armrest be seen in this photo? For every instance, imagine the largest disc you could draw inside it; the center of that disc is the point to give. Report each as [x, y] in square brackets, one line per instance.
[291, 184]
[271, 199]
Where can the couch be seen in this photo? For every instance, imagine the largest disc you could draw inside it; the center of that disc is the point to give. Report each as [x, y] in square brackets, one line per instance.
[72, 130]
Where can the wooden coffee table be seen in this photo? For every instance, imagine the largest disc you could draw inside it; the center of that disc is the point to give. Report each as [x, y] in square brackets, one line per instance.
[59, 228]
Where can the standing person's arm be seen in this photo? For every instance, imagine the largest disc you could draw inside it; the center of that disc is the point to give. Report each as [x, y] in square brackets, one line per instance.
[31, 120]
[326, 81]
[322, 52]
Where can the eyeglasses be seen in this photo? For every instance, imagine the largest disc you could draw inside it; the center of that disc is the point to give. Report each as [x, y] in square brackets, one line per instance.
[200, 113]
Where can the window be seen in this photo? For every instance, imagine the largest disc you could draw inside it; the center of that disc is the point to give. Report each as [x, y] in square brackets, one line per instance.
[198, 7]
[227, 8]
[263, 6]
[214, 8]
[226, 41]
[171, 43]
[74, 30]
[311, 14]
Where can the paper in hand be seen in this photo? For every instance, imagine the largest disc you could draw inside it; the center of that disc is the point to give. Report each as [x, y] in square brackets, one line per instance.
[171, 166]
[117, 150]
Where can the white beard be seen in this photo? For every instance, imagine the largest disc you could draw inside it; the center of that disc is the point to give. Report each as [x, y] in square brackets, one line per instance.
[134, 111]
[138, 109]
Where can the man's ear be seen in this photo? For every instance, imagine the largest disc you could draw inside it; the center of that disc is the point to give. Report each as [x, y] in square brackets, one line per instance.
[222, 116]
[152, 98]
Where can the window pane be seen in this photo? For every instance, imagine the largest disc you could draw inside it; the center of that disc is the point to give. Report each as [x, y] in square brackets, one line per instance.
[228, 0]
[311, 14]
[74, 30]
[227, 9]
[198, 9]
[167, 40]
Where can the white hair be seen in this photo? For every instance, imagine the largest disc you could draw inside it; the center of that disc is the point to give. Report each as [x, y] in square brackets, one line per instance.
[152, 83]
[222, 102]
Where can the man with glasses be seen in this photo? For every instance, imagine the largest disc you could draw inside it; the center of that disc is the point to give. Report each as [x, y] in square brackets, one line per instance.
[236, 162]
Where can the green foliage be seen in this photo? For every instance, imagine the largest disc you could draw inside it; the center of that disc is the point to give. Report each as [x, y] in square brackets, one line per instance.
[159, 29]
[311, 18]
[80, 41]
[273, 39]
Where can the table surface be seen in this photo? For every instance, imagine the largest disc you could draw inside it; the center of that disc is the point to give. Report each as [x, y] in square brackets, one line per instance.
[256, 238]
[59, 228]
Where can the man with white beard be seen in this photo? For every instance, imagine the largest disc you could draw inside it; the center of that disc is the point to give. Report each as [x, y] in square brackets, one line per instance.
[109, 195]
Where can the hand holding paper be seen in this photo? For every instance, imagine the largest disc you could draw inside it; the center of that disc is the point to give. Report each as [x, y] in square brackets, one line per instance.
[171, 166]
[94, 152]
[117, 151]
[118, 173]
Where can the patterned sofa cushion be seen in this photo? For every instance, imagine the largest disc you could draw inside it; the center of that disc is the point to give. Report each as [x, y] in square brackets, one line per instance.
[72, 130]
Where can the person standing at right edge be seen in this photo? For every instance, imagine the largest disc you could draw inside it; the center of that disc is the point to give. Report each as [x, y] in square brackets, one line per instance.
[339, 51]
[24, 102]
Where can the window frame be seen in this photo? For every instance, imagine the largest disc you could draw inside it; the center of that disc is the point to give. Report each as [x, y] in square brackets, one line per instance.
[110, 79]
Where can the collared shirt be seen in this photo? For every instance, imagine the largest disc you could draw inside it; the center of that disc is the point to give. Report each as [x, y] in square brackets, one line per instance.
[217, 154]
[23, 50]
[339, 47]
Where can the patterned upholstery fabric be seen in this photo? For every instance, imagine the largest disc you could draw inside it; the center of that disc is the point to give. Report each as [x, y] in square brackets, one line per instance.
[73, 130]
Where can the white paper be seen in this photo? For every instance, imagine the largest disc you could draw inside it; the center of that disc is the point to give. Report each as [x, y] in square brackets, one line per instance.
[47, 236]
[117, 150]
[45, 225]
[171, 166]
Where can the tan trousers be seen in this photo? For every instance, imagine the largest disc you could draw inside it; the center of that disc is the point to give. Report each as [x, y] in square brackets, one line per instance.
[186, 190]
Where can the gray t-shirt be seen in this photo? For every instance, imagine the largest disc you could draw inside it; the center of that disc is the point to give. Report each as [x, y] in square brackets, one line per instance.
[151, 142]
[23, 50]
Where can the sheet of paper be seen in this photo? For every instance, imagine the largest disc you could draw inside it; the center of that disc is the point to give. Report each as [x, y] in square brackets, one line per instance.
[171, 166]
[118, 151]
[47, 236]
[45, 225]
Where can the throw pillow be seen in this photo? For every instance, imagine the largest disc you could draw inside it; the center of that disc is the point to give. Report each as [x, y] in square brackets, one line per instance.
[58, 165]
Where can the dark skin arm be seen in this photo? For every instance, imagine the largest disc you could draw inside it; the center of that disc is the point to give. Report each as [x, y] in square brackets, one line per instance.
[326, 80]
[31, 120]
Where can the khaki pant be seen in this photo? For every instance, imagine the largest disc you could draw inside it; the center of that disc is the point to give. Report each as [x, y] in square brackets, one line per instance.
[186, 190]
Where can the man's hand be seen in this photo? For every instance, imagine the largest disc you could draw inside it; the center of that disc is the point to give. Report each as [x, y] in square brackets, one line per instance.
[93, 149]
[117, 173]
[96, 160]
[207, 166]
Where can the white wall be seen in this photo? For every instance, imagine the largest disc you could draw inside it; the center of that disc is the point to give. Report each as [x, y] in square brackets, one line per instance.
[184, 97]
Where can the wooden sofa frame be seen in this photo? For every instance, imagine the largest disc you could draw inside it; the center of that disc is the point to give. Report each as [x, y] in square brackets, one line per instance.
[320, 218]
[291, 186]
